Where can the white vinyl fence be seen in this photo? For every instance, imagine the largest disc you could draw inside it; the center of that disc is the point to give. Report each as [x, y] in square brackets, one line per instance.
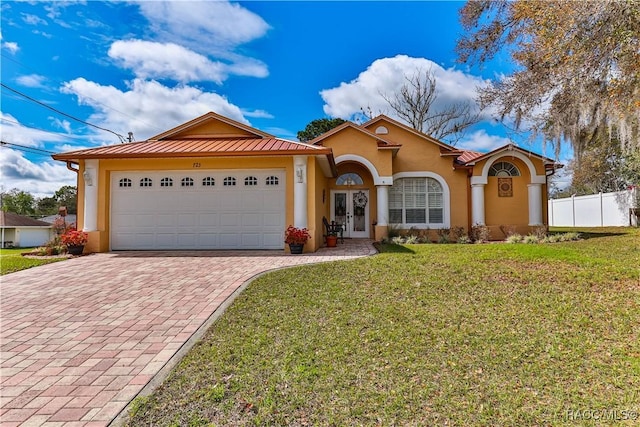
[595, 210]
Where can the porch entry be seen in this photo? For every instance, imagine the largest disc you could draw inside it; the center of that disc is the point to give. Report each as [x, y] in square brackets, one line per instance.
[351, 209]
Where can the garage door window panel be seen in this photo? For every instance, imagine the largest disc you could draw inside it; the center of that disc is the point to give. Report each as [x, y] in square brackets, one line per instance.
[146, 182]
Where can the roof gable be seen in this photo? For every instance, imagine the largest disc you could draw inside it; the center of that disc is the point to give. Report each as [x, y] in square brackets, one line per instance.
[211, 125]
[381, 141]
[471, 158]
[381, 120]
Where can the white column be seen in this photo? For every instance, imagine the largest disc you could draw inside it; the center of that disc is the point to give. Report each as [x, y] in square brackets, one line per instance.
[90, 178]
[300, 191]
[477, 204]
[535, 204]
[383, 204]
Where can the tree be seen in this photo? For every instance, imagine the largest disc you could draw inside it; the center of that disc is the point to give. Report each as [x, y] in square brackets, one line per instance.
[577, 71]
[317, 127]
[67, 196]
[18, 201]
[415, 104]
[46, 206]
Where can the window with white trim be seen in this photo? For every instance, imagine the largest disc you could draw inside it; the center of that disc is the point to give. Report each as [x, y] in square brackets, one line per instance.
[125, 182]
[229, 181]
[349, 179]
[186, 182]
[503, 169]
[416, 201]
[272, 180]
[250, 181]
[146, 182]
[166, 182]
[208, 181]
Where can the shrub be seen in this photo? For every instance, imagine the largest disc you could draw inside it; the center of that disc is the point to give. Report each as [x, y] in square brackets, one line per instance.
[464, 239]
[443, 235]
[296, 236]
[508, 230]
[540, 232]
[530, 239]
[397, 240]
[514, 238]
[411, 240]
[480, 233]
[456, 233]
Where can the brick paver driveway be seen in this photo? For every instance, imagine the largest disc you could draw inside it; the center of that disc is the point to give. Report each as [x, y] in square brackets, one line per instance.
[82, 337]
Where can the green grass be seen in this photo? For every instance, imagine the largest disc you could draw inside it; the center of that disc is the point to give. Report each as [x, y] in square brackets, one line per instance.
[457, 335]
[11, 260]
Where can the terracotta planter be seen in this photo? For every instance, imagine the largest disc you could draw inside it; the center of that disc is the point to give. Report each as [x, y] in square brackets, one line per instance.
[332, 241]
[295, 249]
[75, 250]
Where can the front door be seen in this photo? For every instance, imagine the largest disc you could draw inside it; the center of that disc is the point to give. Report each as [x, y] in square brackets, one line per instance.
[351, 209]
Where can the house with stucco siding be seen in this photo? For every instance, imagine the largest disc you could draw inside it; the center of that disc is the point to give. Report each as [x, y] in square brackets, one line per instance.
[215, 183]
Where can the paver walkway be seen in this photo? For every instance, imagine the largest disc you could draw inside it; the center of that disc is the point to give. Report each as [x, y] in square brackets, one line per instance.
[79, 339]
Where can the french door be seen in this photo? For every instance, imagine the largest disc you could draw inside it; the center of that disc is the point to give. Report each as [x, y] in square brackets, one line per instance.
[351, 209]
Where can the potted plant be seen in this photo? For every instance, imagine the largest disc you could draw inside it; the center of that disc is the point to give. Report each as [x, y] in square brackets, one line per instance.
[74, 240]
[296, 238]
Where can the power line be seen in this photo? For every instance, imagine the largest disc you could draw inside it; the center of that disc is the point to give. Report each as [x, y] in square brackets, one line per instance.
[121, 137]
[88, 97]
[44, 130]
[25, 148]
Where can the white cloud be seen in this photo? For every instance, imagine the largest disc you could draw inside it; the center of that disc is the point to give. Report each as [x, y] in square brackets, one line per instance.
[10, 46]
[33, 19]
[481, 141]
[386, 76]
[63, 124]
[13, 131]
[218, 23]
[166, 60]
[149, 107]
[212, 28]
[41, 179]
[32, 80]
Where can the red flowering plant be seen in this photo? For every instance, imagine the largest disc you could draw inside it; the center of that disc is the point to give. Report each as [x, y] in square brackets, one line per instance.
[296, 236]
[74, 238]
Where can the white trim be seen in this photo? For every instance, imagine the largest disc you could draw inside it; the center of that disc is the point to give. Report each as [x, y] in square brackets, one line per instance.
[477, 204]
[446, 196]
[535, 204]
[535, 179]
[383, 204]
[300, 191]
[377, 179]
[91, 167]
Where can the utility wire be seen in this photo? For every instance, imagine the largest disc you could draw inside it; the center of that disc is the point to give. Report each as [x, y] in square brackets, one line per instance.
[63, 135]
[155, 126]
[26, 149]
[121, 137]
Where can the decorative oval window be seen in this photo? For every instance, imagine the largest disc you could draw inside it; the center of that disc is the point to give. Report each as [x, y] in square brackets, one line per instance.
[125, 182]
[250, 181]
[208, 181]
[146, 182]
[229, 181]
[186, 182]
[272, 180]
[349, 179]
[166, 182]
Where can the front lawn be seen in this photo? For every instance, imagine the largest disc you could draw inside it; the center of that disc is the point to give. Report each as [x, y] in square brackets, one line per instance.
[457, 335]
[11, 260]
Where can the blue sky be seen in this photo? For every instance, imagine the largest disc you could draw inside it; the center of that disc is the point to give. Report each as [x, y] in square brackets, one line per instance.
[144, 67]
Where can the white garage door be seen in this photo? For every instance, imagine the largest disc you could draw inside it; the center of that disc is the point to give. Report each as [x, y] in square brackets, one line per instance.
[233, 209]
[30, 237]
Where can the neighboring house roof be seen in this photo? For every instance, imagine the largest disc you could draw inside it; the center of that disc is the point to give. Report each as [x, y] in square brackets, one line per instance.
[13, 220]
[69, 219]
[196, 147]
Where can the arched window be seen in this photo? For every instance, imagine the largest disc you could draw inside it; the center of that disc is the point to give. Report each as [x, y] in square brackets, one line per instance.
[208, 181]
[272, 180]
[250, 181]
[229, 181]
[125, 182]
[503, 169]
[166, 182]
[349, 179]
[186, 182]
[416, 201]
[146, 182]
